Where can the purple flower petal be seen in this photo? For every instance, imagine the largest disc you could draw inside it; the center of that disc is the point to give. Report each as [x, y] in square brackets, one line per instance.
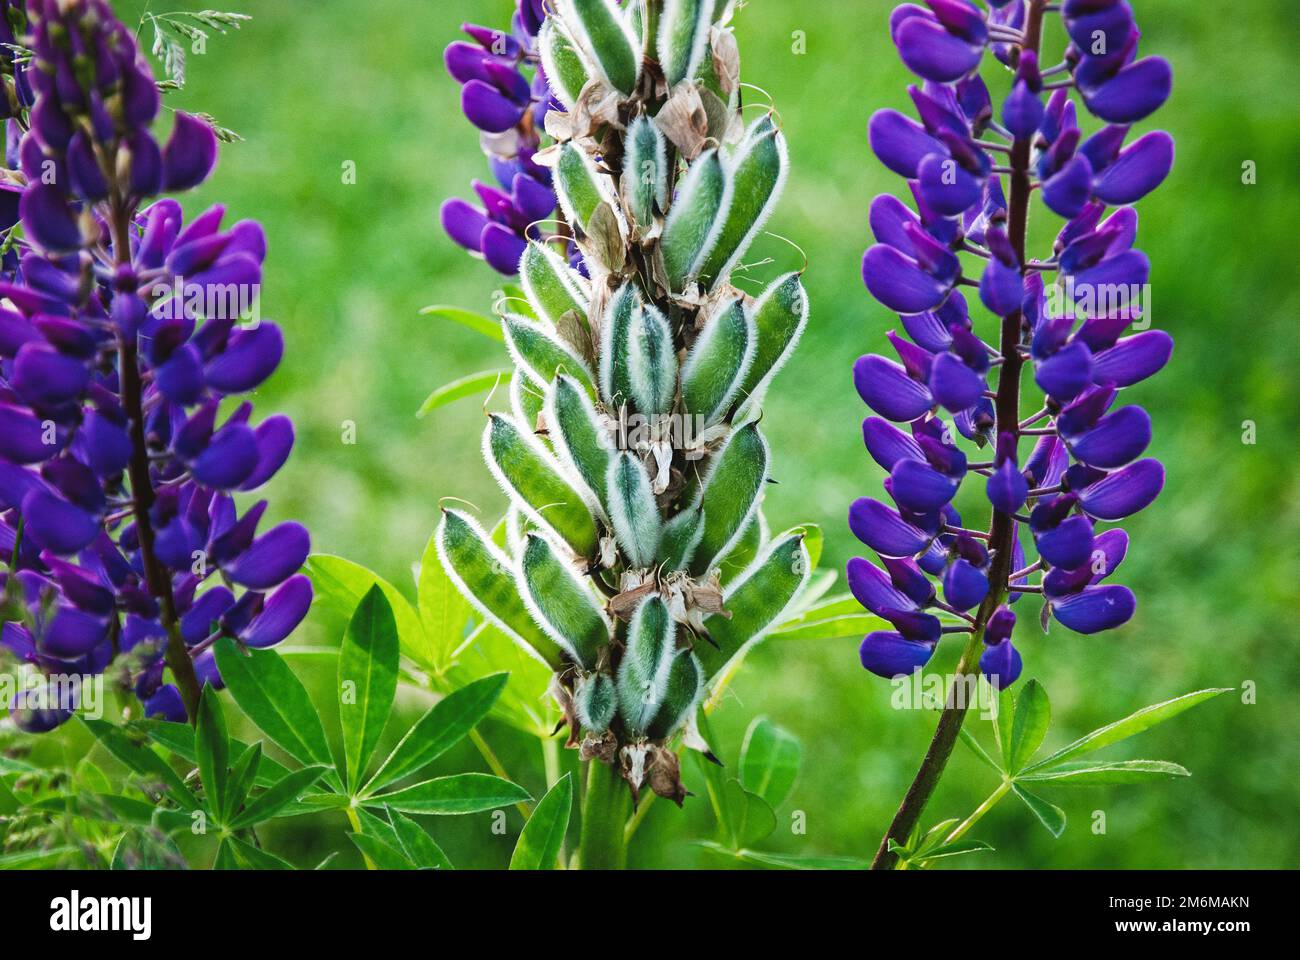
[1134, 93]
[900, 142]
[1069, 544]
[1001, 288]
[251, 355]
[1066, 373]
[48, 220]
[887, 444]
[1007, 488]
[229, 459]
[1139, 169]
[897, 282]
[275, 438]
[166, 704]
[1068, 190]
[947, 187]
[1133, 359]
[964, 585]
[1001, 664]
[933, 53]
[1118, 438]
[953, 384]
[882, 529]
[190, 153]
[919, 488]
[502, 248]
[45, 377]
[887, 389]
[55, 524]
[464, 223]
[285, 608]
[889, 655]
[72, 633]
[1124, 492]
[488, 108]
[272, 557]
[1095, 608]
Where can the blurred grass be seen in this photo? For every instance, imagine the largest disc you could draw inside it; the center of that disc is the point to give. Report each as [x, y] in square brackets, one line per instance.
[315, 86]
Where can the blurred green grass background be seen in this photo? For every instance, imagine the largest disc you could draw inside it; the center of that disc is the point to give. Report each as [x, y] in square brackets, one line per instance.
[315, 85]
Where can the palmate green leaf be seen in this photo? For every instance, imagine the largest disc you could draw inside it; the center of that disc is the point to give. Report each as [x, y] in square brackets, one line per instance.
[442, 727]
[367, 681]
[340, 585]
[524, 704]
[469, 385]
[270, 695]
[1029, 726]
[275, 798]
[488, 326]
[142, 760]
[562, 602]
[769, 760]
[114, 808]
[383, 855]
[241, 779]
[1087, 774]
[1004, 722]
[829, 619]
[1134, 723]
[542, 838]
[454, 795]
[212, 744]
[245, 856]
[968, 738]
[1049, 815]
[485, 577]
[756, 600]
[418, 846]
[785, 861]
[444, 612]
[39, 859]
[146, 850]
[178, 738]
[749, 818]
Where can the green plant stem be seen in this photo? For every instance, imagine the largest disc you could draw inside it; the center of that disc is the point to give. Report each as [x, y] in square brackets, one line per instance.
[494, 764]
[356, 828]
[1002, 531]
[551, 760]
[606, 804]
[992, 801]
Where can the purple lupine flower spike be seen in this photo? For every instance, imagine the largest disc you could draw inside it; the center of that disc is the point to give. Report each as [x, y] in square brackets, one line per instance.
[509, 110]
[972, 167]
[124, 329]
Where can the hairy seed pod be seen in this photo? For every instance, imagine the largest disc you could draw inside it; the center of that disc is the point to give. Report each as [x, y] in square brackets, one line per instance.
[579, 186]
[683, 37]
[651, 362]
[579, 438]
[715, 367]
[695, 219]
[567, 72]
[779, 315]
[681, 697]
[541, 354]
[600, 29]
[643, 673]
[680, 538]
[632, 510]
[644, 184]
[552, 287]
[731, 494]
[615, 382]
[595, 701]
[562, 602]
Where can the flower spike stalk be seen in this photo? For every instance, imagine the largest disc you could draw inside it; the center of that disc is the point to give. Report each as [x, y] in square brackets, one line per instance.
[634, 560]
[1056, 475]
[122, 330]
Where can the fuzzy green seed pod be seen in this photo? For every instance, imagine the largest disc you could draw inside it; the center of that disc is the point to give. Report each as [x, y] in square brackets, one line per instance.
[567, 72]
[552, 287]
[601, 30]
[615, 382]
[541, 354]
[535, 482]
[579, 186]
[579, 438]
[683, 37]
[644, 183]
[715, 367]
[731, 494]
[651, 362]
[681, 696]
[695, 219]
[595, 701]
[780, 315]
[484, 576]
[647, 660]
[681, 537]
[632, 510]
[561, 602]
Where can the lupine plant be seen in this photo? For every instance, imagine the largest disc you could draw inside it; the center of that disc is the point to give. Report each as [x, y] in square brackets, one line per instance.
[1051, 476]
[124, 332]
[634, 561]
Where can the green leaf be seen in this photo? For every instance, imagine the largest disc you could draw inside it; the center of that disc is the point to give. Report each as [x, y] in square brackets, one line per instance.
[749, 818]
[111, 808]
[381, 854]
[418, 846]
[278, 796]
[462, 793]
[178, 738]
[524, 703]
[270, 695]
[769, 760]
[36, 859]
[146, 850]
[1029, 725]
[142, 760]
[485, 577]
[539, 844]
[1134, 723]
[488, 326]
[367, 681]
[212, 744]
[968, 738]
[1120, 771]
[954, 849]
[248, 857]
[441, 728]
[1004, 722]
[466, 386]
[241, 779]
[829, 619]
[444, 613]
[784, 861]
[1049, 815]
[341, 584]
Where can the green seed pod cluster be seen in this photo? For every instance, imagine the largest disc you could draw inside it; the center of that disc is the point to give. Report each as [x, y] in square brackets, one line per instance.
[637, 563]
